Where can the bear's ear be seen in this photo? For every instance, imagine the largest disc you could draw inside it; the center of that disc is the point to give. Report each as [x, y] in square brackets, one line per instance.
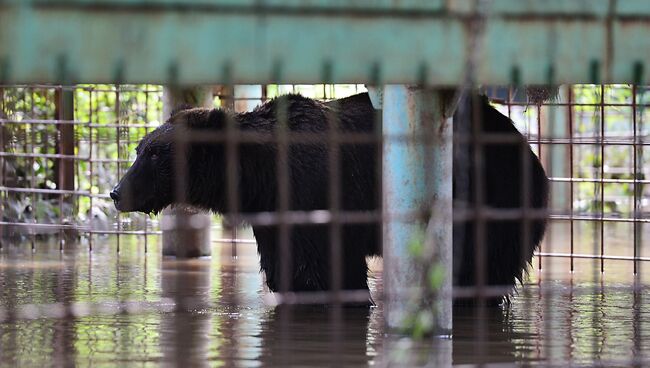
[179, 108]
[199, 118]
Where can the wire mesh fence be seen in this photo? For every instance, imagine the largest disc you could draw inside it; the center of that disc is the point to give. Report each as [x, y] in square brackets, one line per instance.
[57, 172]
[64, 148]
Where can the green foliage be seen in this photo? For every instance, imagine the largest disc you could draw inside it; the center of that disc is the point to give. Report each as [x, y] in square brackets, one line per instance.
[109, 121]
[420, 320]
[606, 112]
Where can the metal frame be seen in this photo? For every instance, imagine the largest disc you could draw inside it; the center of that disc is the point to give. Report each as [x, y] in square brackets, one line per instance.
[246, 41]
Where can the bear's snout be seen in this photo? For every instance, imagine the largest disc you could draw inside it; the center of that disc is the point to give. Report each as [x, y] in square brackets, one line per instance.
[115, 195]
[120, 200]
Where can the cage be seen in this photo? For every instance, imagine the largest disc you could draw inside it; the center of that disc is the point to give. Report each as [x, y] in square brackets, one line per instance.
[84, 283]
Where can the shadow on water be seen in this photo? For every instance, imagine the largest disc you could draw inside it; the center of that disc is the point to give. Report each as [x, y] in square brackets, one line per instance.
[75, 308]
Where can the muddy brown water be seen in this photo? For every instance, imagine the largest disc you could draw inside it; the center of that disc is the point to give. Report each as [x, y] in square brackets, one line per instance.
[75, 308]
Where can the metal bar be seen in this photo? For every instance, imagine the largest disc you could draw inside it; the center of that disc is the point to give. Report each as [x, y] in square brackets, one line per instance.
[182, 237]
[233, 147]
[335, 226]
[30, 148]
[227, 96]
[146, 218]
[635, 176]
[595, 180]
[283, 173]
[3, 163]
[592, 256]
[91, 166]
[571, 188]
[118, 148]
[34, 37]
[602, 177]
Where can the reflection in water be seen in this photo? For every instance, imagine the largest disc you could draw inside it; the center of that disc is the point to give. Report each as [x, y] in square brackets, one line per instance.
[211, 311]
[184, 333]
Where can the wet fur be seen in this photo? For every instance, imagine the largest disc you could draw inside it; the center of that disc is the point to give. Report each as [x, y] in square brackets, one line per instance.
[309, 181]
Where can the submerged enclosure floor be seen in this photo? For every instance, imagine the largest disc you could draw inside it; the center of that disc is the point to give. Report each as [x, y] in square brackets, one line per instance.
[135, 309]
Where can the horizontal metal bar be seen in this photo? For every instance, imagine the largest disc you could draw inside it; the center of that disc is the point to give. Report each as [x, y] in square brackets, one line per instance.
[43, 122]
[45, 191]
[122, 232]
[70, 41]
[236, 241]
[608, 141]
[317, 297]
[591, 256]
[42, 225]
[505, 103]
[407, 8]
[110, 160]
[87, 88]
[73, 122]
[44, 155]
[598, 180]
[598, 218]
[84, 309]
[54, 192]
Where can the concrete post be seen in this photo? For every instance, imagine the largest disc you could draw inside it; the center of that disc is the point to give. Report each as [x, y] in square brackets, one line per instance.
[186, 232]
[417, 176]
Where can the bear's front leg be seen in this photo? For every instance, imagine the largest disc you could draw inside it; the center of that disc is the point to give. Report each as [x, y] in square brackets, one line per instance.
[309, 263]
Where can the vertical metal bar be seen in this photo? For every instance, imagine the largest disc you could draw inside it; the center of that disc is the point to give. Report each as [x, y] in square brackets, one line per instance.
[638, 196]
[283, 172]
[335, 227]
[635, 176]
[233, 144]
[146, 131]
[283, 176]
[3, 161]
[64, 97]
[182, 237]
[475, 132]
[119, 156]
[334, 167]
[405, 189]
[227, 97]
[526, 205]
[539, 133]
[602, 177]
[527, 184]
[571, 175]
[32, 184]
[91, 161]
[595, 291]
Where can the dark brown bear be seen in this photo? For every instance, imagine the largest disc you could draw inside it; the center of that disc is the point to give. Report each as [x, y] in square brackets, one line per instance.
[150, 185]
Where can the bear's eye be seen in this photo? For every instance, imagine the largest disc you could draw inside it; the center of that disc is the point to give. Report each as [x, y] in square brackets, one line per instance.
[154, 156]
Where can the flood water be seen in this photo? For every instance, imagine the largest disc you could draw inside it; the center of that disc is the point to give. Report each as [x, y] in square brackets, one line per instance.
[140, 309]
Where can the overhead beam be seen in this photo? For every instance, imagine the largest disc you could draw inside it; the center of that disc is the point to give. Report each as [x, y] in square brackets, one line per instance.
[75, 41]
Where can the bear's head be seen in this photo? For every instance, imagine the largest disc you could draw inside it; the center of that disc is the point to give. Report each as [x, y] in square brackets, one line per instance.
[171, 163]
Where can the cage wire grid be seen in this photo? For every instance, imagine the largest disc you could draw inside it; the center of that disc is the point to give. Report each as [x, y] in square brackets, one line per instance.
[124, 135]
[31, 139]
[537, 140]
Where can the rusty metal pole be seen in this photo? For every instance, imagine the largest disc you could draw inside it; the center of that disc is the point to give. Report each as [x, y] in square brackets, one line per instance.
[186, 231]
[64, 167]
[417, 178]
[64, 110]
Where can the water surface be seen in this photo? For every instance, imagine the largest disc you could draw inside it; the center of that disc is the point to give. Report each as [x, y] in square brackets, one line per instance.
[140, 309]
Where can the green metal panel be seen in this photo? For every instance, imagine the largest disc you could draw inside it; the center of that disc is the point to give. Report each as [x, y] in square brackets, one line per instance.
[307, 41]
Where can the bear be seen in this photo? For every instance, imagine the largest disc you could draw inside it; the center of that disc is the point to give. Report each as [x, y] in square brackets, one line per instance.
[149, 185]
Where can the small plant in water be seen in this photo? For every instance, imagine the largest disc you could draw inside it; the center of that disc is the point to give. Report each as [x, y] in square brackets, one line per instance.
[421, 318]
